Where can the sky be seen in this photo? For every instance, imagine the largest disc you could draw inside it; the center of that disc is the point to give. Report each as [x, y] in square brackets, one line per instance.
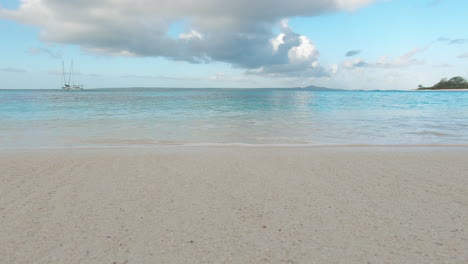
[347, 44]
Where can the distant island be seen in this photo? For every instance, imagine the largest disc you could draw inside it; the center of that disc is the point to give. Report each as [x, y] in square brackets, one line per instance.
[318, 88]
[450, 84]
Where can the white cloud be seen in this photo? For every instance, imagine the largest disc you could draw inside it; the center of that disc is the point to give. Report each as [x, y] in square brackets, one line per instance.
[334, 69]
[355, 63]
[352, 4]
[405, 60]
[463, 56]
[276, 42]
[236, 32]
[401, 61]
[304, 52]
[191, 35]
[294, 55]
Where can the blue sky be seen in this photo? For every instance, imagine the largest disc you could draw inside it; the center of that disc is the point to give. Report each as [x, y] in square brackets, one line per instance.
[397, 44]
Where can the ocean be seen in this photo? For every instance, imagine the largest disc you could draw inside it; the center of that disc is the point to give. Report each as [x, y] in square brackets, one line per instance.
[166, 117]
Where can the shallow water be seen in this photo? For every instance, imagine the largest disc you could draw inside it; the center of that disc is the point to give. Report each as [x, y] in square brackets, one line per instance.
[147, 117]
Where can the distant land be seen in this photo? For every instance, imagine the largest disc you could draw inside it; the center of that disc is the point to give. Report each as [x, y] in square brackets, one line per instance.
[308, 88]
[454, 83]
[318, 88]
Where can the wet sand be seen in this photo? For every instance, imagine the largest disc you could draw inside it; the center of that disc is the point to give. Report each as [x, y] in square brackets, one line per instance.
[234, 205]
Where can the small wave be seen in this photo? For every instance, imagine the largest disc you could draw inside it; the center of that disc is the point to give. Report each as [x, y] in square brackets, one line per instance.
[113, 141]
[240, 145]
[431, 133]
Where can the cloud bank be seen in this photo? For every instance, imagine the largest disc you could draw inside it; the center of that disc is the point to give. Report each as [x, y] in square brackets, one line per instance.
[236, 32]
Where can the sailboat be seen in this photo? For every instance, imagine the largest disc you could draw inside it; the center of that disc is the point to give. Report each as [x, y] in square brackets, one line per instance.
[71, 83]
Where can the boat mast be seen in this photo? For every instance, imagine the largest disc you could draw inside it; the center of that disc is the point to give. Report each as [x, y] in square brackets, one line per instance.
[63, 73]
[70, 74]
[73, 77]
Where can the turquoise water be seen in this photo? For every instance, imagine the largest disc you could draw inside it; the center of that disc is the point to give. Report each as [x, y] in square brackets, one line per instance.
[148, 117]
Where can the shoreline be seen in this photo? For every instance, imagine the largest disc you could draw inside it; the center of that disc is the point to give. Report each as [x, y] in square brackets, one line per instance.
[442, 90]
[237, 145]
[234, 205]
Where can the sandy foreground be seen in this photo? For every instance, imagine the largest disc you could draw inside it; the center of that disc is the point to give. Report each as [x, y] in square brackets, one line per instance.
[234, 205]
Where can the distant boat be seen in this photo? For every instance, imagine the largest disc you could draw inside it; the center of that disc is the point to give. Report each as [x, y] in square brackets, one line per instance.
[70, 85]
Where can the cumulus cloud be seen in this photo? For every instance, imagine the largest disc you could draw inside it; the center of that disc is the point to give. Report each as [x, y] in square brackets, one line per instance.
[352, 53]
[405, 60]
[236, 32]
[293, 55]
[290, 54]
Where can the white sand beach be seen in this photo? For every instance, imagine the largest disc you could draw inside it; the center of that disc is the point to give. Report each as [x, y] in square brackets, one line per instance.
[234, 205]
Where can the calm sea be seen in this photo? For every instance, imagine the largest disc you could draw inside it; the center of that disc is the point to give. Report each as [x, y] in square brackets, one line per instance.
[149, 117]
